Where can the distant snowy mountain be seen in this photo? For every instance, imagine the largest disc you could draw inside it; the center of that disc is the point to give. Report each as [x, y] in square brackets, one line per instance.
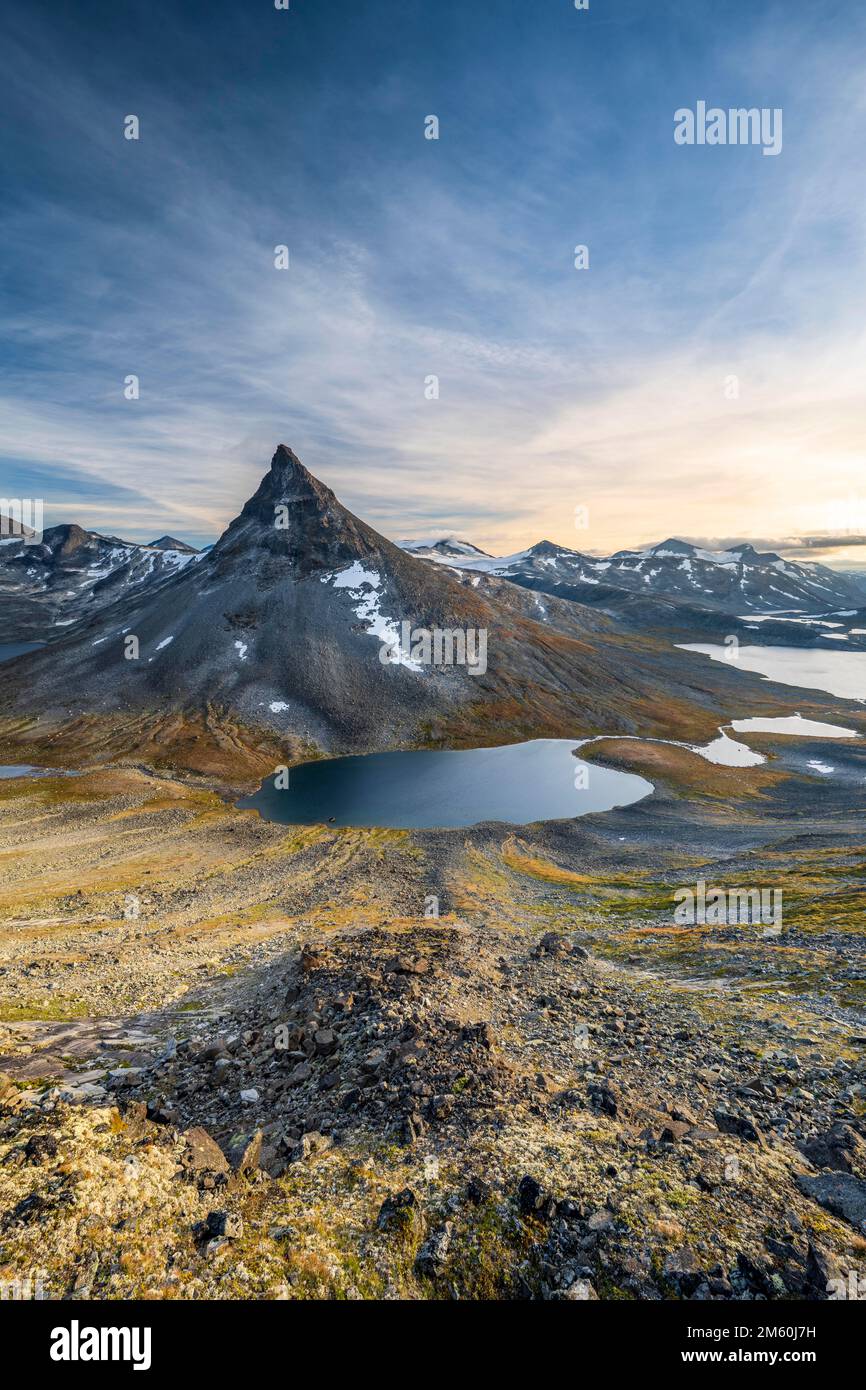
[73, 573]
[445, 549]
[463, 555]
[169, 543]
[739, 580]
[760, 582]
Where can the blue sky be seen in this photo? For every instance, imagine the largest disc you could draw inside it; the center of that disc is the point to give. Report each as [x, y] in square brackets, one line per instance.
[559, 389]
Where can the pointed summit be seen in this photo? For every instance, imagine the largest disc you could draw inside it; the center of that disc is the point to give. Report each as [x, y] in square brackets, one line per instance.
[288, 481]
[548, 548]
[287, 467]
[284, 455]
[289, 486]
[172, 543]
[750, 555]
[673, 546]
[294, 517]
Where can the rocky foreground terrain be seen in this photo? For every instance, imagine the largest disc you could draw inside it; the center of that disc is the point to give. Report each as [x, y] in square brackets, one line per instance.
[241, 1061]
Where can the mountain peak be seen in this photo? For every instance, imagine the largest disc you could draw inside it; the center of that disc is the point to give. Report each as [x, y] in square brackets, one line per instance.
[172, 543]
[284, 457]
[548, 548]
[286, 468]
[445, 548]
[65, 539]
[294, 516]
[287, 483]
[748, 555]
[673, 546]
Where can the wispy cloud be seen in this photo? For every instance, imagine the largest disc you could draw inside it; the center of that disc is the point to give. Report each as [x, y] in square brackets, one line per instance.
[557, 388]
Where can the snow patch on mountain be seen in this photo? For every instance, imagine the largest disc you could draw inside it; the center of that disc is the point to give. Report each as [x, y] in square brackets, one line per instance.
[363, 586]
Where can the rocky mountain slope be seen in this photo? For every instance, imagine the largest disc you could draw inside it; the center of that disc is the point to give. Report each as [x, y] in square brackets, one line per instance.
[282, 627]
[72, 573]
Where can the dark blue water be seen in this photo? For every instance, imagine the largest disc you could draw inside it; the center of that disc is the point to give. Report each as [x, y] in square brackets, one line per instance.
[7, 651]
[10, 649]
[519, 783]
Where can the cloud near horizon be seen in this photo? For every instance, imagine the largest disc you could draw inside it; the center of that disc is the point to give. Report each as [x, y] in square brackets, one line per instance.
[607, 389]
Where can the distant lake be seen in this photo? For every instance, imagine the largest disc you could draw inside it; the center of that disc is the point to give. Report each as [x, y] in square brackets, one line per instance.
[7, 651]
[518, 783]
[839, 673]
[10, 649]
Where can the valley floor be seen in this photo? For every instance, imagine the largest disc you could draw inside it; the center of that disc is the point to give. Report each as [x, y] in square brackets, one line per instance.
[244, 1061]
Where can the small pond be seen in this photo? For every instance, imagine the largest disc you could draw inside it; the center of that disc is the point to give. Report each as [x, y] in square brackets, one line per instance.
[518, 783]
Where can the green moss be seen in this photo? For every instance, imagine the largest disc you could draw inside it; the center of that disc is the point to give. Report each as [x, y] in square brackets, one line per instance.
[486, 1251]
[59, 1010]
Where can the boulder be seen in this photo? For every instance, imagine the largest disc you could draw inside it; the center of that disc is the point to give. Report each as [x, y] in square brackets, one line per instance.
[741, 1126]
[401, 1212]
[840, 1148]
[202, 1154]
[433, 1253]
[842, 1194]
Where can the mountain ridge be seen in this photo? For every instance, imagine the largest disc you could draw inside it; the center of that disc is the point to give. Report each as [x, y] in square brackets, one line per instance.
[71, 572]
[739, 577]
[280, 636]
